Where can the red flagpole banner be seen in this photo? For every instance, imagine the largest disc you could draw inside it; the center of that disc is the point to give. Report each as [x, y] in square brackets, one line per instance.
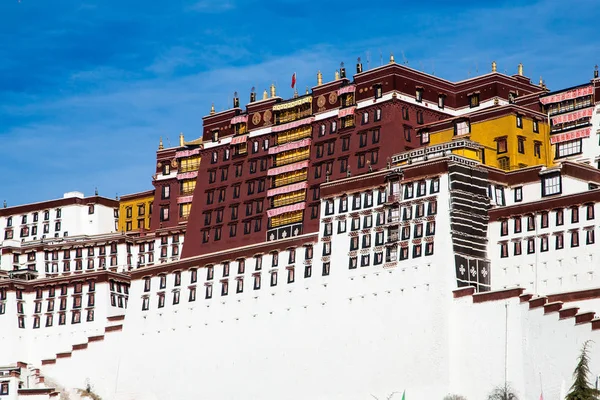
[293, 80]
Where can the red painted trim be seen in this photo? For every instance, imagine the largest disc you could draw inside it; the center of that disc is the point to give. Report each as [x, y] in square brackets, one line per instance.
[584, 318]
[116, 318]
[35, 392]
[81, 346]
[63, 355]
[497, 295]
[113, 328]
[48, 362]
[537, 302]
[524, 298]
[568, 312]
[463, 292]
[552, 307]
[95, 338]
[579, 295]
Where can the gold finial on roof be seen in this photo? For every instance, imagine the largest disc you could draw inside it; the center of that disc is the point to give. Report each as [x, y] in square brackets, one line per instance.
[272, 90]
[307, 90]
[494, 66]
[520, 69]
[392, 61]
[265, 95]
[160, 144]
[212, 109]
[337, 74]
[541, 83]
[319, 78]
[181, 139]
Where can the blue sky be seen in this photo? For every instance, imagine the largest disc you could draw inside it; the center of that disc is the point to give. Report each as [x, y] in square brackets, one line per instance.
[88, 87]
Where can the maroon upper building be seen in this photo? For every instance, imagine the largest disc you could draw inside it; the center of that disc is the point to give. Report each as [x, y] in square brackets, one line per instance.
[262, 165]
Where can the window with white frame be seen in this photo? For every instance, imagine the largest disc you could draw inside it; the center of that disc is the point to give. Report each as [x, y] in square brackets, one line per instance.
[551, 185]
[462, 128]
[570, 148]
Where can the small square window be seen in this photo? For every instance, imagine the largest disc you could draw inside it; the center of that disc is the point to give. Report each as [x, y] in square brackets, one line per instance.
[551, 185]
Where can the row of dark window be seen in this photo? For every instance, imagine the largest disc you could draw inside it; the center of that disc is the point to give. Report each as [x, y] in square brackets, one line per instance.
[544, 219]
[225, 267]
[227, 153]
[254, 207]
[257, 284]
[58, 214]
[62, 319]
[544, 243]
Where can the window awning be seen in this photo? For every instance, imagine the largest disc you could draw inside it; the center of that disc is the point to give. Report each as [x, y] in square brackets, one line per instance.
[287, 189]
[292, 125]
[568, 95]
[346, 89]
[288, 168]
[565, 137]
[240, 119]
[286, 209]
[346, 111]
[187, 153]
[290, 146]
[573, 116]
[239, 139]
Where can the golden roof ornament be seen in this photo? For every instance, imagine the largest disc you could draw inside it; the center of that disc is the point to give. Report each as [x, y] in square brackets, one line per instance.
[337, 75]
[160, 144]
[520, 69]
[265, 95]
[392, 61]
[319, 78]
[494, 66]
[272, 90]
[212, 109]
[541, 83]
[181, 139]
[307, 90]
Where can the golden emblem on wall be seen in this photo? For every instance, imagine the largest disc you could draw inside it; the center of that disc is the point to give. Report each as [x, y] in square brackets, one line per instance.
[256, 118]
[159, 165]
[267, 116]
[321, 101]
[333, 97]
[174, 163]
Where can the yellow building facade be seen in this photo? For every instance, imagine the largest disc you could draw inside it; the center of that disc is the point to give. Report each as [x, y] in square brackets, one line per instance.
[135, 211]
[511, 137]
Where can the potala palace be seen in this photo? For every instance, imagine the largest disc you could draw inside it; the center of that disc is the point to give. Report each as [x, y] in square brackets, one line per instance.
[389, 231]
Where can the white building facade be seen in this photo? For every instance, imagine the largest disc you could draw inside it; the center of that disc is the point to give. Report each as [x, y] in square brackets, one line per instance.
[412, 283]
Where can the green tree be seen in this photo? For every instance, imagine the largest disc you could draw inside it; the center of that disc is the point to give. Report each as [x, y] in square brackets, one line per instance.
[582, 389]
[504, 392]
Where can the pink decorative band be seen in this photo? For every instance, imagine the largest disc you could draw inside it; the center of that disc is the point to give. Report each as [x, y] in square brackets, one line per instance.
[288, 168]
[239, 139]
[187, 153]
[568, 95]
[286, 209]
[565, 137]
[184, 199]
[289, 146]
[240, 119]
[292, 125]
[187, 175]
[346, 111]
[346, 89]
[573, 116]
[287, 189]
